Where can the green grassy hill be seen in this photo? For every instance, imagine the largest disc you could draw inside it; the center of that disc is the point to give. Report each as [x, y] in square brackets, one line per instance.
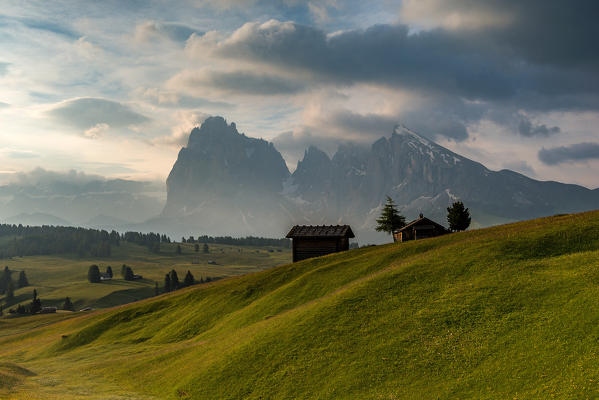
[506, 312]
[58, 276]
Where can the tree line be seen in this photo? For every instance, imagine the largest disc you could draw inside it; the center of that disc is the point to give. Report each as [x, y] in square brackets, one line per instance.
[244, 241]
[45, 240]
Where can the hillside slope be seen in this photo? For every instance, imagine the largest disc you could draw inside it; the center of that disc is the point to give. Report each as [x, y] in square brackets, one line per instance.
[505, 312]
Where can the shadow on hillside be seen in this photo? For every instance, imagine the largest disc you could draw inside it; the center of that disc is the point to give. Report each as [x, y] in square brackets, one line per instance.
[123, 297]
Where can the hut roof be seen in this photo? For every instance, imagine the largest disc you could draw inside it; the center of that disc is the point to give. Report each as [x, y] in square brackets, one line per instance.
[422, 220]
[320, 231]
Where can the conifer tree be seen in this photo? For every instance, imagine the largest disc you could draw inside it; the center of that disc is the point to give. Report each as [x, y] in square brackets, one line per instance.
[93, 274]
[123, 271]
[458, 217]
[174, 280]
[196, 247]
[67, 305]
[178, 249]
[167, 283]
[10, 292]
[5, 279]
[390, 219]
[109, 271]
[23, 279]
[36, 304]
[156, 289]
[206, 249]
[129, 275]
[189, 279]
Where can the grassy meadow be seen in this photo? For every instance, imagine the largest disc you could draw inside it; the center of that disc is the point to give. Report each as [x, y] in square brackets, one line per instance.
[58, 276]
[505, 312]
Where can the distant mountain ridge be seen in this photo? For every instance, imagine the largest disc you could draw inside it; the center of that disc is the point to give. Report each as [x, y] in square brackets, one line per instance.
[224, 182]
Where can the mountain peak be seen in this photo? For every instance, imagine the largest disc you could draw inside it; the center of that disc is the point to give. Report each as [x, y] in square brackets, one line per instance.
[402, 130]
[214, 127]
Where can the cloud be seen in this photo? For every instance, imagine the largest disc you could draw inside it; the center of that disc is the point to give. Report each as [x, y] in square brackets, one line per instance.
[527, 128]
[241, 82]
[3, 68]
[172, 99]
[88, 112]
[484, 71]
[569, 154]
[20, 154]
[152, 30]
[186, 121]
[96, 131]
[49, 26]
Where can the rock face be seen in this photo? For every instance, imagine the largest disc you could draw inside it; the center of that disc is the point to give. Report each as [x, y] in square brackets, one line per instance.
[227, 183]
[224, 182]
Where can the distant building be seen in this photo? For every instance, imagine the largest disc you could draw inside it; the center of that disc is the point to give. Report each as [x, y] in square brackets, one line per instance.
[314, 241]
[419, 229]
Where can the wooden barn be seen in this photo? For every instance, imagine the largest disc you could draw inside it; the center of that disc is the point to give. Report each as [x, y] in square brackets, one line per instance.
[313, 241]
[419, 229]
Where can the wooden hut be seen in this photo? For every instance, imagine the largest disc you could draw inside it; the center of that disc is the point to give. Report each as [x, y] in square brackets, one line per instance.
[314, 241]
[419, 229]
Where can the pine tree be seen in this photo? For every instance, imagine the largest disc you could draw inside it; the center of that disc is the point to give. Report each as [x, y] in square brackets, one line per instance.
[178, 249]
[5, 279]
[167, 283]
[196, 247]
[123, 271]
[93, 274]
[189, 279]
[390, 219]
[129, 275]
[36, 304]
[156, 289]
[67, 305]
[174, 280]
[109, 271]
[10, 292]
[206, 249]
[23, 279]
[458, 217]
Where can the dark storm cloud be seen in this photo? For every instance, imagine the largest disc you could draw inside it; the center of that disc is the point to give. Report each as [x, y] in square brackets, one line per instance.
[243, 82]
[438, 61]
[527, 128]
[568, 154]
[84, 113]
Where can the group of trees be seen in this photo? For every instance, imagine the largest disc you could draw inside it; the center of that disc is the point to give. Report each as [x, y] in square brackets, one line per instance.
[95, 276]
[458, 217]
[7, 286]
[171, 281]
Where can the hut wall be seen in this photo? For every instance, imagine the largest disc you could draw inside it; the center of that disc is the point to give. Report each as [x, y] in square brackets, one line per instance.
[304, 248]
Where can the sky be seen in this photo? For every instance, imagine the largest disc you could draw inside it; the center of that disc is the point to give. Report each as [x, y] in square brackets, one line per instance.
[113, 88]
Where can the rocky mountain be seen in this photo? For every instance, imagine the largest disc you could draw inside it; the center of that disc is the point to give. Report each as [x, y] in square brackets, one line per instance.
[224, 182]
[227, 183]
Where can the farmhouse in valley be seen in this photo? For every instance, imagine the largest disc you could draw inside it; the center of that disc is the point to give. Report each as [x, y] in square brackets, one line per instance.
[419, 229]
[313, 241]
